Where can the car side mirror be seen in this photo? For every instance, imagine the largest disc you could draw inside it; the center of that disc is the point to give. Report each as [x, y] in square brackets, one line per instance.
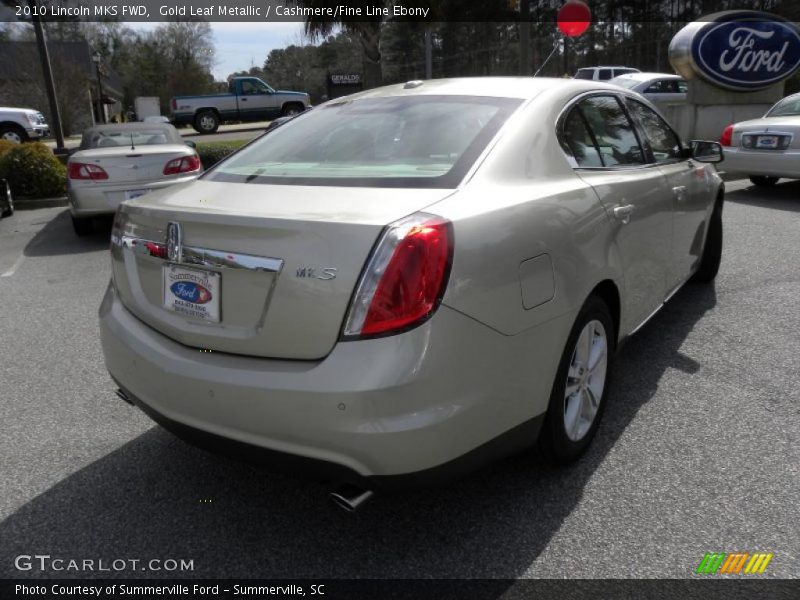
[708, 152]
[191, 144]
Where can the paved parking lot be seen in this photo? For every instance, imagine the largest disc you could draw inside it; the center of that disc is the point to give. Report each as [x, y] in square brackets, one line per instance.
[698, 450]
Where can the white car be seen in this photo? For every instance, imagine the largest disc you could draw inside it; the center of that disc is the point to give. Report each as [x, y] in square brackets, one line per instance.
[768, 148]
[122, 162]
[657, 87]
[603, 73]
[22, 124]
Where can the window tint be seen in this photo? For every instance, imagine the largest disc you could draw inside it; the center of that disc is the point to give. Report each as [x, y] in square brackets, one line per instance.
[613, 131]
[604, 74]
[662, 86]
[584, 74]
[413, 141]
[578, 143]
[663, 141]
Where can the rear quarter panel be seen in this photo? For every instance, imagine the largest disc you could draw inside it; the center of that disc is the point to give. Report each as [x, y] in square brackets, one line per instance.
[524, 201]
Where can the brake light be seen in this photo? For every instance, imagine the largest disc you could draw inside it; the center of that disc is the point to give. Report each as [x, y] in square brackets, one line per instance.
[187, 164]
[726, 139]
[86, 171]
[405, 278]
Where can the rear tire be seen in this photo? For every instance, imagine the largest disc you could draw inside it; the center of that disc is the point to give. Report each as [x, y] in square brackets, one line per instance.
[13, 133]
[712, 251]
[7, 200]
[573, 415]
[206, 121]
[764, 180]
[83, 226]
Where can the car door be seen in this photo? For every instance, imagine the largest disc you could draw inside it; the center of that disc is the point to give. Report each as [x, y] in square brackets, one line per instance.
[688, 183]
[607, 154]
[257, 100]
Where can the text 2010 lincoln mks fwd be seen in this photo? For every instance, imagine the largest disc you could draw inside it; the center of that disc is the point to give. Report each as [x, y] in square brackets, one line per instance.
[403, 284]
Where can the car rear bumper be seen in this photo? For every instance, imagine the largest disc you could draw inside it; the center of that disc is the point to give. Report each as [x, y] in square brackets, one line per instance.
[97, 199]
[423, 406]
[776, 163]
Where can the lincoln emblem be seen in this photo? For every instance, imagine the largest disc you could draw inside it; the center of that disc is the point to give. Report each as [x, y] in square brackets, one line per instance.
[174, 242]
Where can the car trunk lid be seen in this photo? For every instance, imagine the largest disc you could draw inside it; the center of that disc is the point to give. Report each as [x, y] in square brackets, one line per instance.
[140, 164]
[287, 260]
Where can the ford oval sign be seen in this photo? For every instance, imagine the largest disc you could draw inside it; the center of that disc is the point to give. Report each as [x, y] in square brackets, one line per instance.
[189, 291]
[738, 50]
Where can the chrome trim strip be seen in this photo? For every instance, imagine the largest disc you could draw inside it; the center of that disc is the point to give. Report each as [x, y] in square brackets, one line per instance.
[206, 257]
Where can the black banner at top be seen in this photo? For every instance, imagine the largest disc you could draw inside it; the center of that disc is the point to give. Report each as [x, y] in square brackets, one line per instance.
[432, 11]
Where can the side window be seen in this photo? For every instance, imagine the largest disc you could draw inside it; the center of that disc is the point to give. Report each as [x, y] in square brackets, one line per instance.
[613, 131]
[683, 87]
[577, 141]
[248, 88]
[657, 87]
[604, 74]
[664, 143]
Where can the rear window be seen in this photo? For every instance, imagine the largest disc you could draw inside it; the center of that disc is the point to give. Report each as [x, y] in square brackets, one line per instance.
[122, 138]
[584, 74]
[787, 107]
[417, 141]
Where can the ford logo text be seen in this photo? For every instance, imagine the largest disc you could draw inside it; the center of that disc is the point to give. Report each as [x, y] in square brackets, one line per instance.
[738, 50]
[190, 292]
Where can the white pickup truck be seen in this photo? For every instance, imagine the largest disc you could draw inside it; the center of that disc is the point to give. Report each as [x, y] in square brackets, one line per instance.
[22, 124]
[248, 99]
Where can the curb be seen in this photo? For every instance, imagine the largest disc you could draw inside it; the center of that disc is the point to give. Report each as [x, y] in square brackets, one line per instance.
[33, 204]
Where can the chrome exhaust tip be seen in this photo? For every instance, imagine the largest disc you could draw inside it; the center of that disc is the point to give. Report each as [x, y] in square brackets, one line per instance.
[350, 497]
[123, 396]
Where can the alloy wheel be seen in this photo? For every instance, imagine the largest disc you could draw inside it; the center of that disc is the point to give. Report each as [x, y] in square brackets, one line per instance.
[586, 380]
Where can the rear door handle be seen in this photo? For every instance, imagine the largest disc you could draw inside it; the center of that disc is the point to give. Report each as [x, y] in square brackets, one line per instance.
[623, 213]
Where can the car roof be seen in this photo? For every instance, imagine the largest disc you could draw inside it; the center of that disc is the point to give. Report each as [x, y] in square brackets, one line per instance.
[648, 76]
[523, 88]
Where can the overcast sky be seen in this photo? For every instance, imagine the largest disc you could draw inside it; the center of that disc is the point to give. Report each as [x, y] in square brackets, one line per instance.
[240, 45]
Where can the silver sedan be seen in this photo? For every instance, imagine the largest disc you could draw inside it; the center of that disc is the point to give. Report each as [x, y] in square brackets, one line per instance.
[766, 149]
[122, 162]
[656, 87]
[403, 284]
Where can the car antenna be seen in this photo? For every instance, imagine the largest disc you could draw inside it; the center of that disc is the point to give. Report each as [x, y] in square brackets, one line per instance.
[132, 146]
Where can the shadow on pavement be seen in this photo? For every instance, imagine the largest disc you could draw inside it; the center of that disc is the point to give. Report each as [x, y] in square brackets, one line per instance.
[785, 195]
[157, 497]
[57, 237]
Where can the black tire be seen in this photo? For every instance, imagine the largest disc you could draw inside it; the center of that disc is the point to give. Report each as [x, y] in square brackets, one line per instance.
[6, 199]
[291, 109]
[764, 180]
[83, 226]
[13, 133]
[206, 121]
[554, 443]
[712, 251]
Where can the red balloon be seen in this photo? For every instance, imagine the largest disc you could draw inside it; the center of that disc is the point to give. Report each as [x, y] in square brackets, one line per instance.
[574, 18]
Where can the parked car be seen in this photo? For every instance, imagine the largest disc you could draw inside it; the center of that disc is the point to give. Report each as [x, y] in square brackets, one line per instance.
[122, 162]
[658, 87]
[6, 199]
[22, 124]
[766, 149]
[400, 287]
[248, 99]
[603, 73]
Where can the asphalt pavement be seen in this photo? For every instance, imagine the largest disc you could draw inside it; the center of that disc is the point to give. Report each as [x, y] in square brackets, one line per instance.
[698, 450]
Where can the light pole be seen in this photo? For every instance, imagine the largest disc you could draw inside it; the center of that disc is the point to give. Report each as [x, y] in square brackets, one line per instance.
[101, 114]
[47, 72]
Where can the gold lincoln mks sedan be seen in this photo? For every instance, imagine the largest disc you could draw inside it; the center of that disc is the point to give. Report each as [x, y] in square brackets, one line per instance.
[400, 285]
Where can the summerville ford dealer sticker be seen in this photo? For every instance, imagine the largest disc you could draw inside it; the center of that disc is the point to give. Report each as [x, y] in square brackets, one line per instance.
[192, 293]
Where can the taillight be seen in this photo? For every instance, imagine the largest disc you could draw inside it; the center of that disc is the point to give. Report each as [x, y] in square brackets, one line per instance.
[187, 164]
[726, 139]
[86, 171]
[174, 105]
[405, 278]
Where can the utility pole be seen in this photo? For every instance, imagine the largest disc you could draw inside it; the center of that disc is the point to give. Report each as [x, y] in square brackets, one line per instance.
[47, 72]
[428, 54]
[524, 36]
